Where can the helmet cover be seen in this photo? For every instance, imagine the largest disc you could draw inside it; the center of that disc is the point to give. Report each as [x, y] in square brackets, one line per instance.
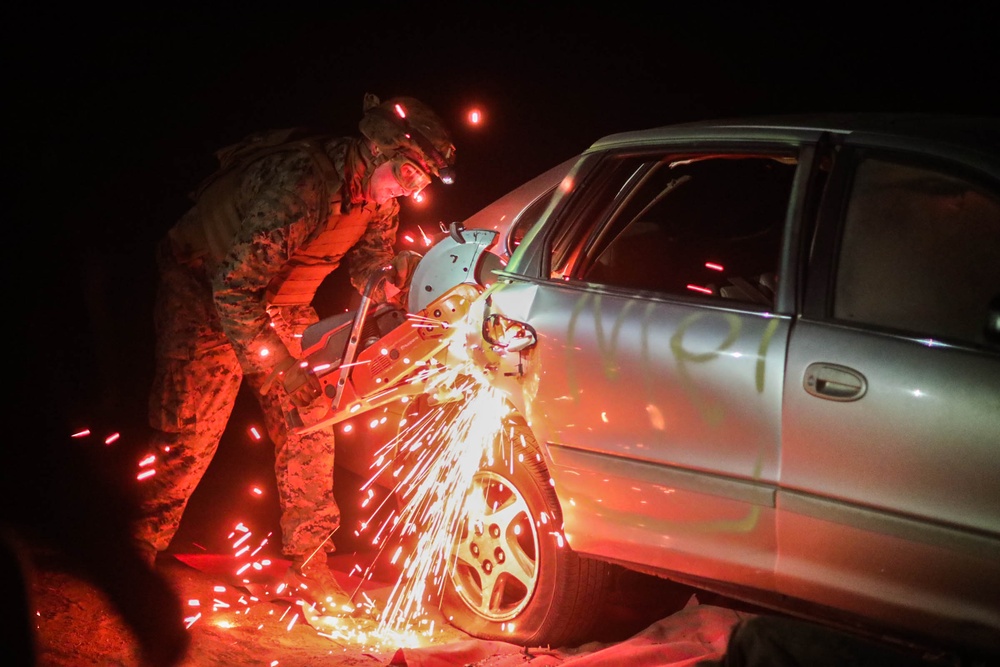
[404, 126]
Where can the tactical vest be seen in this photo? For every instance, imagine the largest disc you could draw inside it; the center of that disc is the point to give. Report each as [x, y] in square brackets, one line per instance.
[207, 236]
[302, 275]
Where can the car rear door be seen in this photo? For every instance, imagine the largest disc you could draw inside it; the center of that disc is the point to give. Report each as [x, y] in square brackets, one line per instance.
[889, 498]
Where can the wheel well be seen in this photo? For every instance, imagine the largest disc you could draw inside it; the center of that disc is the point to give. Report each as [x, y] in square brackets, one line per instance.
[542, 461]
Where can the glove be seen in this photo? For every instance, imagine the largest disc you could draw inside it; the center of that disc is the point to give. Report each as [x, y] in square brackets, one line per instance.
[403, 265]
[299, 382]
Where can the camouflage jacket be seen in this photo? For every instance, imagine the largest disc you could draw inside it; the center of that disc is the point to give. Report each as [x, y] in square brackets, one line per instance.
[278, 201]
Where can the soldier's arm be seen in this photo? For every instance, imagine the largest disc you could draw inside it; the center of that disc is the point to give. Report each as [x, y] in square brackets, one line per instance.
[261, 248]
[376, 248]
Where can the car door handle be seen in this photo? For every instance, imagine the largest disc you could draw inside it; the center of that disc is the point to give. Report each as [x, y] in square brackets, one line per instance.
[834, 382]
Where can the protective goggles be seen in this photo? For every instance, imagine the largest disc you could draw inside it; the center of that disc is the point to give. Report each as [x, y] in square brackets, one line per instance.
[410, 175]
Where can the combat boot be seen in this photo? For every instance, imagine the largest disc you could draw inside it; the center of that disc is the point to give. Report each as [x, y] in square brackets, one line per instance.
[313, 580]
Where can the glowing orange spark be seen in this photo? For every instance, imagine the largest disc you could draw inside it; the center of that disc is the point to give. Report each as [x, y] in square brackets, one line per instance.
[242, 539]
[427, 240]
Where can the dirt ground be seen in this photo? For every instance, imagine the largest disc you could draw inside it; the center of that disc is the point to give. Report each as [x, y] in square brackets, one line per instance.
[76, 627]
[233, 624]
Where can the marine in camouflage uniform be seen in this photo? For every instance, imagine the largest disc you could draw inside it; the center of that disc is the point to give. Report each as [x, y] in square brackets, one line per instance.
[237, 276]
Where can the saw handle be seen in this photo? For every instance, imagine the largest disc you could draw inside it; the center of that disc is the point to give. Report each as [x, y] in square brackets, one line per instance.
[351, 353]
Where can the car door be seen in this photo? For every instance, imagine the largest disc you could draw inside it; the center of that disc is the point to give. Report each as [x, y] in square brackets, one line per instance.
[656, 380]
[889, 499]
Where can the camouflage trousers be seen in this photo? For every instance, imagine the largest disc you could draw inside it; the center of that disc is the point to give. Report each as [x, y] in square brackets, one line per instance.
[197, 378]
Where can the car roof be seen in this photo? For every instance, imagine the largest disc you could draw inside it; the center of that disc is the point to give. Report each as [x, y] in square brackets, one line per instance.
[981, 133]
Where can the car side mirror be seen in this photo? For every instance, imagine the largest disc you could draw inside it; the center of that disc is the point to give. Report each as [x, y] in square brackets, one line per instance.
[507, 335]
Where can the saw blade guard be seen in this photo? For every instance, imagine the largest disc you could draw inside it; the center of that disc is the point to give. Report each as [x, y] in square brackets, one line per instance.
[461, 257]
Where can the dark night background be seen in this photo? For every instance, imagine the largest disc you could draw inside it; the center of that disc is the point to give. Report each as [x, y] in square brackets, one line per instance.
[113, 117]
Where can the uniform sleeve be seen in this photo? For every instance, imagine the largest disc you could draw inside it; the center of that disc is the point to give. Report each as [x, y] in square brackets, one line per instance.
[274, 213]
[376, 248]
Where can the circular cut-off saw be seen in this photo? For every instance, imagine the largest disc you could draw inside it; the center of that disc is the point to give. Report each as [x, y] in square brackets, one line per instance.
[373, 356]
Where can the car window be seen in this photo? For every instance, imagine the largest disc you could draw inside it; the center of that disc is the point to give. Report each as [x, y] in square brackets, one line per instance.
[708, 225]
[919, 251]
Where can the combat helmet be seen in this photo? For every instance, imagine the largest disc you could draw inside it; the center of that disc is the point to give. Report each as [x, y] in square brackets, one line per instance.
[404, 126]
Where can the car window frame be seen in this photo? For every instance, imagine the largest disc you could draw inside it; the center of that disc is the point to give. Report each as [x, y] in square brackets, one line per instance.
[527, 218]
[565, 221]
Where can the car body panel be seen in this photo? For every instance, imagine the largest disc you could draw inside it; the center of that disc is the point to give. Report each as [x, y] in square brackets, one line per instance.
[631, 511]
[505, 214]
[692, 388]
[928, 582]
[850, 451]
[830, 465]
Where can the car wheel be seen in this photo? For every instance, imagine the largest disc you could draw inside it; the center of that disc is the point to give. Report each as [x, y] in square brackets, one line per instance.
[513, 577]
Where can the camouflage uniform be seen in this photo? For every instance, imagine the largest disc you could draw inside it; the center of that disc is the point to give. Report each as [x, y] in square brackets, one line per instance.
[217, 311]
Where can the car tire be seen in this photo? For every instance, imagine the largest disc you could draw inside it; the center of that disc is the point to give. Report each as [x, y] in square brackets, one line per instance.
[513, 577]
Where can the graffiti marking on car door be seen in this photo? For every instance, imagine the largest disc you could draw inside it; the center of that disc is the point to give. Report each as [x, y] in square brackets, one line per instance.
[607, 348]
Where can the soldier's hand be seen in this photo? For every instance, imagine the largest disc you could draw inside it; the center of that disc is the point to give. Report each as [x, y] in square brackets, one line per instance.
[277, 374]
[300, 383]
[403, 265]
